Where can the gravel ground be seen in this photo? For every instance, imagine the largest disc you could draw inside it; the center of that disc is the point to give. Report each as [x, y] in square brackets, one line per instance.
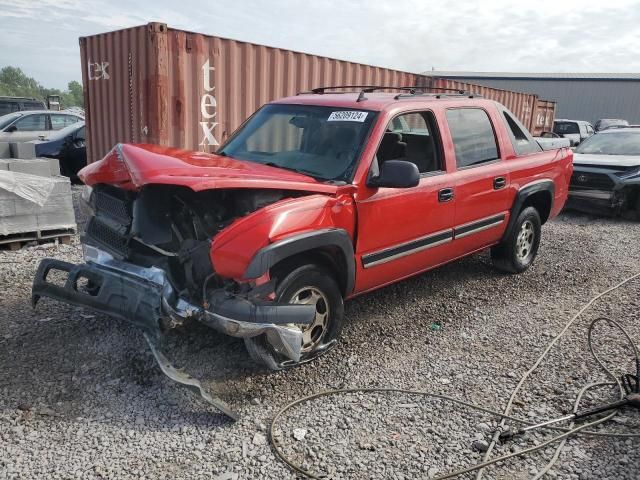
[81, 396]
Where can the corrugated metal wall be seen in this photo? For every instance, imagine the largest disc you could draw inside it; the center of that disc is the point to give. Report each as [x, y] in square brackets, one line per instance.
[579, 98]
[160, 85]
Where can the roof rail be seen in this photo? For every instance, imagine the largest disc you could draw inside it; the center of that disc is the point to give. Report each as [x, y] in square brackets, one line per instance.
[457, 92]
[364, 88]
[413, 90]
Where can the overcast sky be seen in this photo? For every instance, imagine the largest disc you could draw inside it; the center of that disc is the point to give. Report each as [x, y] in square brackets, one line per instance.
[41, 37]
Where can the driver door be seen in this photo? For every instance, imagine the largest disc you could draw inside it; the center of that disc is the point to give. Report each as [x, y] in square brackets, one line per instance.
[28, 128]
[403, 231]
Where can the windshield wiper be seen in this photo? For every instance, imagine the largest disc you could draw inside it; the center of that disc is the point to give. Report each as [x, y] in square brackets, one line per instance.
[297, 170]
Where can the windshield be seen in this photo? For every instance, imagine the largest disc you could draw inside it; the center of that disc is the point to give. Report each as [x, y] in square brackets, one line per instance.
[565, 127]
[322, 142]
[7, 119]
[613, 143]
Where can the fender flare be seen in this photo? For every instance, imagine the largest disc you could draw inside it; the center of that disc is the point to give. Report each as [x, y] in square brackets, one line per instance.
[521, 197]
[268, 256]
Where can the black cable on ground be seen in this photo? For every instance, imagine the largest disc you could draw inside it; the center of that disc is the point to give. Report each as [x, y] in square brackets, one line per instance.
[567, 432]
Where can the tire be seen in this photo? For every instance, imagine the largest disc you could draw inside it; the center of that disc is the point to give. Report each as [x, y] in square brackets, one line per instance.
[307, 283]
[637, 207]
[517, 252]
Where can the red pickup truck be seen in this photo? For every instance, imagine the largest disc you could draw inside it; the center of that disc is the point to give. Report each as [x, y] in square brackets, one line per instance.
[315, 199]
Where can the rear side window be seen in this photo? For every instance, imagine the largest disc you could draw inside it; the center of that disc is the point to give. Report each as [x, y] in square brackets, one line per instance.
[521, 140]
[33, 106]
[58, 121]
[8, 107]
[70, 120]
[472, 135]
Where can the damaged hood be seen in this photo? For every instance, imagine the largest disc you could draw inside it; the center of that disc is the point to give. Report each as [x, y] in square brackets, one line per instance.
[611, 161]
[134, 166]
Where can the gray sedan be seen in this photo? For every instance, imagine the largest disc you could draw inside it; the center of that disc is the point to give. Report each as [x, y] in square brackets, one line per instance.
[31, 125]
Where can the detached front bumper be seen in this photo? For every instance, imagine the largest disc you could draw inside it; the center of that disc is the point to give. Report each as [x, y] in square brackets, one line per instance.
[594, 201]
[146, 298]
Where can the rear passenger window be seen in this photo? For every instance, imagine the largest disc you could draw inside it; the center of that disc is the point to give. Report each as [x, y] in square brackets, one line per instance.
[522, 142]
[412, 137]
[70, 120]
[472, 136]
[58, 121]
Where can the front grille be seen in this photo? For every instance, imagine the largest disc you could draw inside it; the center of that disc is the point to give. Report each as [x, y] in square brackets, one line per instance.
[598, 181]
[107, 237]
[114, 205]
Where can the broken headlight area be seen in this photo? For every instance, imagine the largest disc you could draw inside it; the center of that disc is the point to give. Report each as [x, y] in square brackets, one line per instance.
[169, 227]
[147, 262]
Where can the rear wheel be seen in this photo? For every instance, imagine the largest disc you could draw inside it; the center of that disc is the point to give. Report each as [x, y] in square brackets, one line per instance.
[306, 285]
[517, 252]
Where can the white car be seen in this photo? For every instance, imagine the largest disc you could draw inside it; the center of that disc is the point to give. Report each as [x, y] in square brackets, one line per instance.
[575, 130]
[34, 124]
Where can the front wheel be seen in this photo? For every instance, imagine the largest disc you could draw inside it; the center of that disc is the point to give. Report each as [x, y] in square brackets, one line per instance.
[517, 252]
[306, 285]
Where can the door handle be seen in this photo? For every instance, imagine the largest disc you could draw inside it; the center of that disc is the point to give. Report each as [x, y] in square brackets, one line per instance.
[445, 194]
[499, 182]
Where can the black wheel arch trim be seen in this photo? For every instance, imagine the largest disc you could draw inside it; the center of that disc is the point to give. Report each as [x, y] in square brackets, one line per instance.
[270, 255]
[523, 194]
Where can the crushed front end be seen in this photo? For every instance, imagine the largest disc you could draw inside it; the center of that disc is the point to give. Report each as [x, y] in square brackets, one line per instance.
[147, 262]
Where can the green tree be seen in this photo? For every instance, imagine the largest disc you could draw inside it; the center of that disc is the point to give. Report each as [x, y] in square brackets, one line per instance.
[13, 82]
[75, 90]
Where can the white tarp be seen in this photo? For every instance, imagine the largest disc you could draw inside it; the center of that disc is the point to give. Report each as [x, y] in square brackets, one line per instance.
[33, 188]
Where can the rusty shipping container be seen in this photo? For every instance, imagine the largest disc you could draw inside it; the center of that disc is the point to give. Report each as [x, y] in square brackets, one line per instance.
[154, 84]
[543, 117]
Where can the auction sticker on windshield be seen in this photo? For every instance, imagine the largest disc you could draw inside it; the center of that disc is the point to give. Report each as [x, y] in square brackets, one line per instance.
[347, 116]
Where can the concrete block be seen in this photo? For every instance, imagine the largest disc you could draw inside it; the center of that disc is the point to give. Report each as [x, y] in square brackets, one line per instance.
[34, 166]
[18, 224]
[54, 165]
[5, 150]
[23, 150]
[54, 220]
[61, 185]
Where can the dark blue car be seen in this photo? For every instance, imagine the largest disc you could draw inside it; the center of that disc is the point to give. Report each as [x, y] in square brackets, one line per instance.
[68, 146]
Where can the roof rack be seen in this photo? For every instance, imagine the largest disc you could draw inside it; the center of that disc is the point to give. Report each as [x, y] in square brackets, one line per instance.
[411, 91]
[364, 88]
[457, 92]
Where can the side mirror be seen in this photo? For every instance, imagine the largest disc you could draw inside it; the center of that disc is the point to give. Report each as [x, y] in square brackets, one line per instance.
[11, 129]
[396, 174]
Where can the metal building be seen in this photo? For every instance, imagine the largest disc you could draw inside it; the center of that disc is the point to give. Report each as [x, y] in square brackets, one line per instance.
[579, 96]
